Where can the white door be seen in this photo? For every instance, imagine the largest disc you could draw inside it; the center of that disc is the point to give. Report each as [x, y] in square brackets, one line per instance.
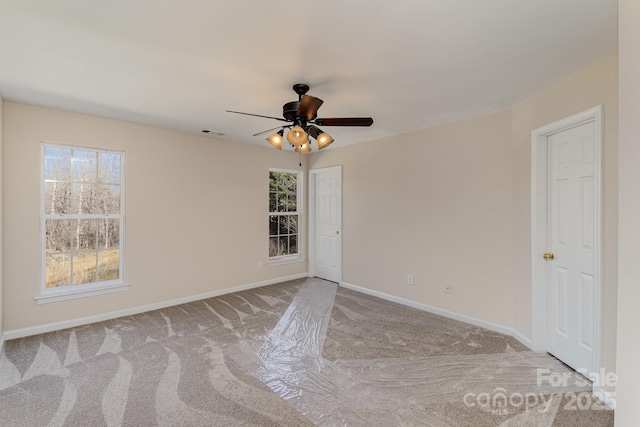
[327, 223]
[571, 238]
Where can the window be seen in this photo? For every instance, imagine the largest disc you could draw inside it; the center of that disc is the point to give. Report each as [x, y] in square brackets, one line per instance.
[284, 214]
[82, 221]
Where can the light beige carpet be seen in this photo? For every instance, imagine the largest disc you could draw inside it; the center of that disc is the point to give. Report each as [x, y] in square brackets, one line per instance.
[298, 353]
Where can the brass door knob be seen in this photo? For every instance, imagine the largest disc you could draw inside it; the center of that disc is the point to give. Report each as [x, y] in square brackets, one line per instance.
[549, 256]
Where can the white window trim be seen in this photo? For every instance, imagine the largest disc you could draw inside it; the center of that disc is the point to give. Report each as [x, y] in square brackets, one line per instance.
[289, 259]
[80, 291]
[299, 257]
[88, 289]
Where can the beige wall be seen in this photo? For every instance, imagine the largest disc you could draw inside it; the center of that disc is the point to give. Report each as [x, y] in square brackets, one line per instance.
[435, 203]
[206, 197]
[597, 84]
[451, 205]
[628, 390]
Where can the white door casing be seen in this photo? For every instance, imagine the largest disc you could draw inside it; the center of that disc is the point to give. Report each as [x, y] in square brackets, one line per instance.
[325, 223]
[570, 224]
[566, 178]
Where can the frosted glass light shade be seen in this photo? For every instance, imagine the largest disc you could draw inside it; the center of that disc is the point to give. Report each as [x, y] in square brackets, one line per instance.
[297, 136]
[304, 148]
[324, 139]
[276, 139]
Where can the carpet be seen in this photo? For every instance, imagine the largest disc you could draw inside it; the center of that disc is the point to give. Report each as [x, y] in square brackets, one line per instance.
[303, 352]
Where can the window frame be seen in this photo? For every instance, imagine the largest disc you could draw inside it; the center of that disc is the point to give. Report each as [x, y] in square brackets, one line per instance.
[297, 257]
[47, 295]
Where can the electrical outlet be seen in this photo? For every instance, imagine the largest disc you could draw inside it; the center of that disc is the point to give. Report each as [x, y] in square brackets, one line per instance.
[259, 265]
[409, 279]
[448, 289]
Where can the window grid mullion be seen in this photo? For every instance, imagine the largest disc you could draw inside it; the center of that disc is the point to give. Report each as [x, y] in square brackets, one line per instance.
[66, 164]
[287, 191]
[82, 216]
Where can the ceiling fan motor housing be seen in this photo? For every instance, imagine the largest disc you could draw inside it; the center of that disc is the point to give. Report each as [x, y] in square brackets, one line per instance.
[290, 110]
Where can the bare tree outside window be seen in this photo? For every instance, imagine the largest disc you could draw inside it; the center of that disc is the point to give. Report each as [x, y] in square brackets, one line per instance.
[283, 213]
[82, 215]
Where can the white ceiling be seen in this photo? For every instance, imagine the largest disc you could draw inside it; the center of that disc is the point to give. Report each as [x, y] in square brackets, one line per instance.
[179, 64]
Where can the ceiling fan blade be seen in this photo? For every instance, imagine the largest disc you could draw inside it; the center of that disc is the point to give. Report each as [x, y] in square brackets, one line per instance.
[345, 121]
[309, 106]
[265, 131]
[257, 115]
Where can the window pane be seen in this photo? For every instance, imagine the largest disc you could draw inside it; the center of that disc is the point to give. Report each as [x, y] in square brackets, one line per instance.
[108, 233]
[283, 246]
[107, 199]
[273, 226]
[292, 206]
[273, 246]
[84, 198]
[273, 178]
[293, 244]
[57, 270]
[293, 224]
[108, 265]
[109, 168]
[84, 165]
[57, 197]
[283, 224]
[273, 206]
[84, 267]
[289, 182]
[282, 202]
[84, 236]
[57, 163]
[58, 235]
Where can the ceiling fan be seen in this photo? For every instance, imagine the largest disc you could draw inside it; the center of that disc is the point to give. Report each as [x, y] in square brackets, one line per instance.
[303, 121]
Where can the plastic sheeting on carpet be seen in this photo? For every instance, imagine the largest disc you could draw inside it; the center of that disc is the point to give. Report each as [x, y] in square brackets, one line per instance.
[289, 361]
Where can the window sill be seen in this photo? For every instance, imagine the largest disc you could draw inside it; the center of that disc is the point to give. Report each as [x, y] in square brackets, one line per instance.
[288, 260]
[80, 291]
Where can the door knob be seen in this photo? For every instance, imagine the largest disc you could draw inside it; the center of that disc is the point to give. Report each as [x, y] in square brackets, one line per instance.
[338, 232]
[549, 256]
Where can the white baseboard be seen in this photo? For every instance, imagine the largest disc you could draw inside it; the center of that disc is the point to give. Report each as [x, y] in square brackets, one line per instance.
[50, 327]
[446, 313]
[607, 397]
[522, 339]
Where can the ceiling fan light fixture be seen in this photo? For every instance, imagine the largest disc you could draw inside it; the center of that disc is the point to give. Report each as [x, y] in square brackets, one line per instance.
[304, 148]
[302, 121]
[276, 139]
[297, 136]
[324, 139]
